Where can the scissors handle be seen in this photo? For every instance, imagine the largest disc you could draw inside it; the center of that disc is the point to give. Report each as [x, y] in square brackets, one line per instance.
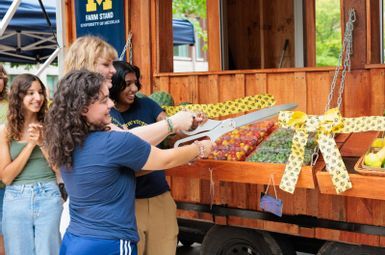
[191, 138]
[207, 126]
[222, 128]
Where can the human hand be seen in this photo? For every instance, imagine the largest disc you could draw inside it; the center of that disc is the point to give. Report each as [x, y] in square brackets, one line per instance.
[199, 119]
[182, 120]
[205, 148]
[35, 134]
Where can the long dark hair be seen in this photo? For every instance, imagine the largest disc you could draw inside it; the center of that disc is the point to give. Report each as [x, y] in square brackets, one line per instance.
[65, 124]
[3, 75]
[15, 116]
[118, 79]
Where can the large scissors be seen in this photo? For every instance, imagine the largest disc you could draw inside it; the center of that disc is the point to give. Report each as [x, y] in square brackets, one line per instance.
[216, 128]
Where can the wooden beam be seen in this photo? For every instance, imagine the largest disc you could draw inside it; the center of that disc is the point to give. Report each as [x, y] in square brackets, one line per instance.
[359, 57]
[140, 15]
[70, 27]
[310, 40]
[213, 34]
[373, 31]
[164, 37]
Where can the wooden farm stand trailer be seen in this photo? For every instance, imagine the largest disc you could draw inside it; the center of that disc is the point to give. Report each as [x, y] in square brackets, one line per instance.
[228, 218]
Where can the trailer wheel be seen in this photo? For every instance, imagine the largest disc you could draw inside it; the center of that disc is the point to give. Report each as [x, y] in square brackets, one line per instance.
[186, 242]
[334, 248]
[224, 240]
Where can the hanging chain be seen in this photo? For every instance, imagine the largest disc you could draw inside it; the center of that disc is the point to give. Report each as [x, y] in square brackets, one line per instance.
[129, 46]
[347, 48]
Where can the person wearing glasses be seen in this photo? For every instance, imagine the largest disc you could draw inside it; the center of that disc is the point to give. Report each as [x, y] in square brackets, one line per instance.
[155, 208]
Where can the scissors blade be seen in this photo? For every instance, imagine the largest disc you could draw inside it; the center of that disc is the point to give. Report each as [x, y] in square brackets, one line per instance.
[262, 114]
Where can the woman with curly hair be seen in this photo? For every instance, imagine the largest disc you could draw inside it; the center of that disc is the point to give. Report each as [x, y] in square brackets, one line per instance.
[32, 202]
[91, 53]
[99, 165]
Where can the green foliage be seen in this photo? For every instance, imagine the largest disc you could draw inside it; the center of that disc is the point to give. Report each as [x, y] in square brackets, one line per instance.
[328, 32]
[194, 11]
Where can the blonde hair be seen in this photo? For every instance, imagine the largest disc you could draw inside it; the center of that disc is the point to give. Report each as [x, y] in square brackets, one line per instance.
[85, 52]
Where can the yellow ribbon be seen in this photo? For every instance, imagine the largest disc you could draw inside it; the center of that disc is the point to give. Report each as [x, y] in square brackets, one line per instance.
[227, 107]
[324, 126]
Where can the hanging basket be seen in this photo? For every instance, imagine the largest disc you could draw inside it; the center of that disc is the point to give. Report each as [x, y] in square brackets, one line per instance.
[367, 170]
[361, 168]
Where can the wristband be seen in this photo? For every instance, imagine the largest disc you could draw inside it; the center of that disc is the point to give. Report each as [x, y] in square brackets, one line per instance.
[201, 148]
[170, 125]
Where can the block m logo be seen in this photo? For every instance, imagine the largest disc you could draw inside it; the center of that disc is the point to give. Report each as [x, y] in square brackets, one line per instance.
[92, 5]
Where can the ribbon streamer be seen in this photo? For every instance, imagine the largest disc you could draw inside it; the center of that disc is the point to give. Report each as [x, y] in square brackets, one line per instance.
[226, 108]
[324, 126]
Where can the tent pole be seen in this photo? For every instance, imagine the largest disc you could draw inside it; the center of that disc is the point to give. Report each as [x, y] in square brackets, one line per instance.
[8, 16]
[60, 7]
[48, 61]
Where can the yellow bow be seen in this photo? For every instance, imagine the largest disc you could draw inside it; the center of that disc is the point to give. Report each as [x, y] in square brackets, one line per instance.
[331, 122]
[324, 126]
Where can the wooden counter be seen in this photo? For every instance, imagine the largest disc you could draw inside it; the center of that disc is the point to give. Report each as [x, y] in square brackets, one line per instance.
[242, 172]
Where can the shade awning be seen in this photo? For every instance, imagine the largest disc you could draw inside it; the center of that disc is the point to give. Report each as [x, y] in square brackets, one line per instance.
[183, 32]
[28, 37]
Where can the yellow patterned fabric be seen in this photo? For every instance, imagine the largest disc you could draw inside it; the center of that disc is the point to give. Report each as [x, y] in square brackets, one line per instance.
[324, 126]
[226, 108]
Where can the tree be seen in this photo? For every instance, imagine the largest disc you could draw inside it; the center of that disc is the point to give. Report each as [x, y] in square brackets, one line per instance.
[328, 32]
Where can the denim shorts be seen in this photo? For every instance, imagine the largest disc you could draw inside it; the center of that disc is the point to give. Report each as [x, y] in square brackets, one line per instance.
[2, 191]
[31, 218]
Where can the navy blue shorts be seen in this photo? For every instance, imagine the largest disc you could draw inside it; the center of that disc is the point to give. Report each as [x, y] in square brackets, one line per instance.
[78, 245]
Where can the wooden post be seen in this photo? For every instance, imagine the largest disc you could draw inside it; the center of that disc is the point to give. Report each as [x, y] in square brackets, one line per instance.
[373, 34]
[151, 26]
[359, 56]
[213, 33]
[164, 37]
[310, 40]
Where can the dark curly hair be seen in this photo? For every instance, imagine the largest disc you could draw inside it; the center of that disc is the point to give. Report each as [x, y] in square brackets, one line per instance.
[15, 117]
[3, 75]
[65, 124]
[118, 79]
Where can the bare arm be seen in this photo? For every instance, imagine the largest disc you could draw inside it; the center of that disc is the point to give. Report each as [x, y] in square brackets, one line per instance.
[11, 169]
[165, 159]
[153, 133]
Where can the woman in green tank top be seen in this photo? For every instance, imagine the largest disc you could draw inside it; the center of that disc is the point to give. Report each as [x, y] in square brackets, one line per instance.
[32, 201]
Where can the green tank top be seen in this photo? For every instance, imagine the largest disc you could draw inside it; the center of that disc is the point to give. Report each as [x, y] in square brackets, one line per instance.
[36, 169]
[3, 111]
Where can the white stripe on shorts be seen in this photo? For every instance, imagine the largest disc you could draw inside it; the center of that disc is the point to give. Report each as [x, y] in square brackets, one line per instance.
[125, 247]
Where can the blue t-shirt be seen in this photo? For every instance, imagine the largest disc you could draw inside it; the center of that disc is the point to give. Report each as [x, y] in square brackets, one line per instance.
[101, 185]
[142, 112]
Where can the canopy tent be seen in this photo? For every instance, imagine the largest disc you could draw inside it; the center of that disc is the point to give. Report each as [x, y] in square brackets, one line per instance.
[183, 32]
[28, 37]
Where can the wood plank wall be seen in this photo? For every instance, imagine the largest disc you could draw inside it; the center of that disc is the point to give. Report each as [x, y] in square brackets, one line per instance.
[364, 92]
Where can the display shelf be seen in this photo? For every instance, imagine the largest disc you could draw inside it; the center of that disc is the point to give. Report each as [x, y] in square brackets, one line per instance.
[241, 172]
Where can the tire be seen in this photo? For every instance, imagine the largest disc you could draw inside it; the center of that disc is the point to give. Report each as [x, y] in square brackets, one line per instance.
[224, 240]
[334, 248]
[186, 242]
[285, 244]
